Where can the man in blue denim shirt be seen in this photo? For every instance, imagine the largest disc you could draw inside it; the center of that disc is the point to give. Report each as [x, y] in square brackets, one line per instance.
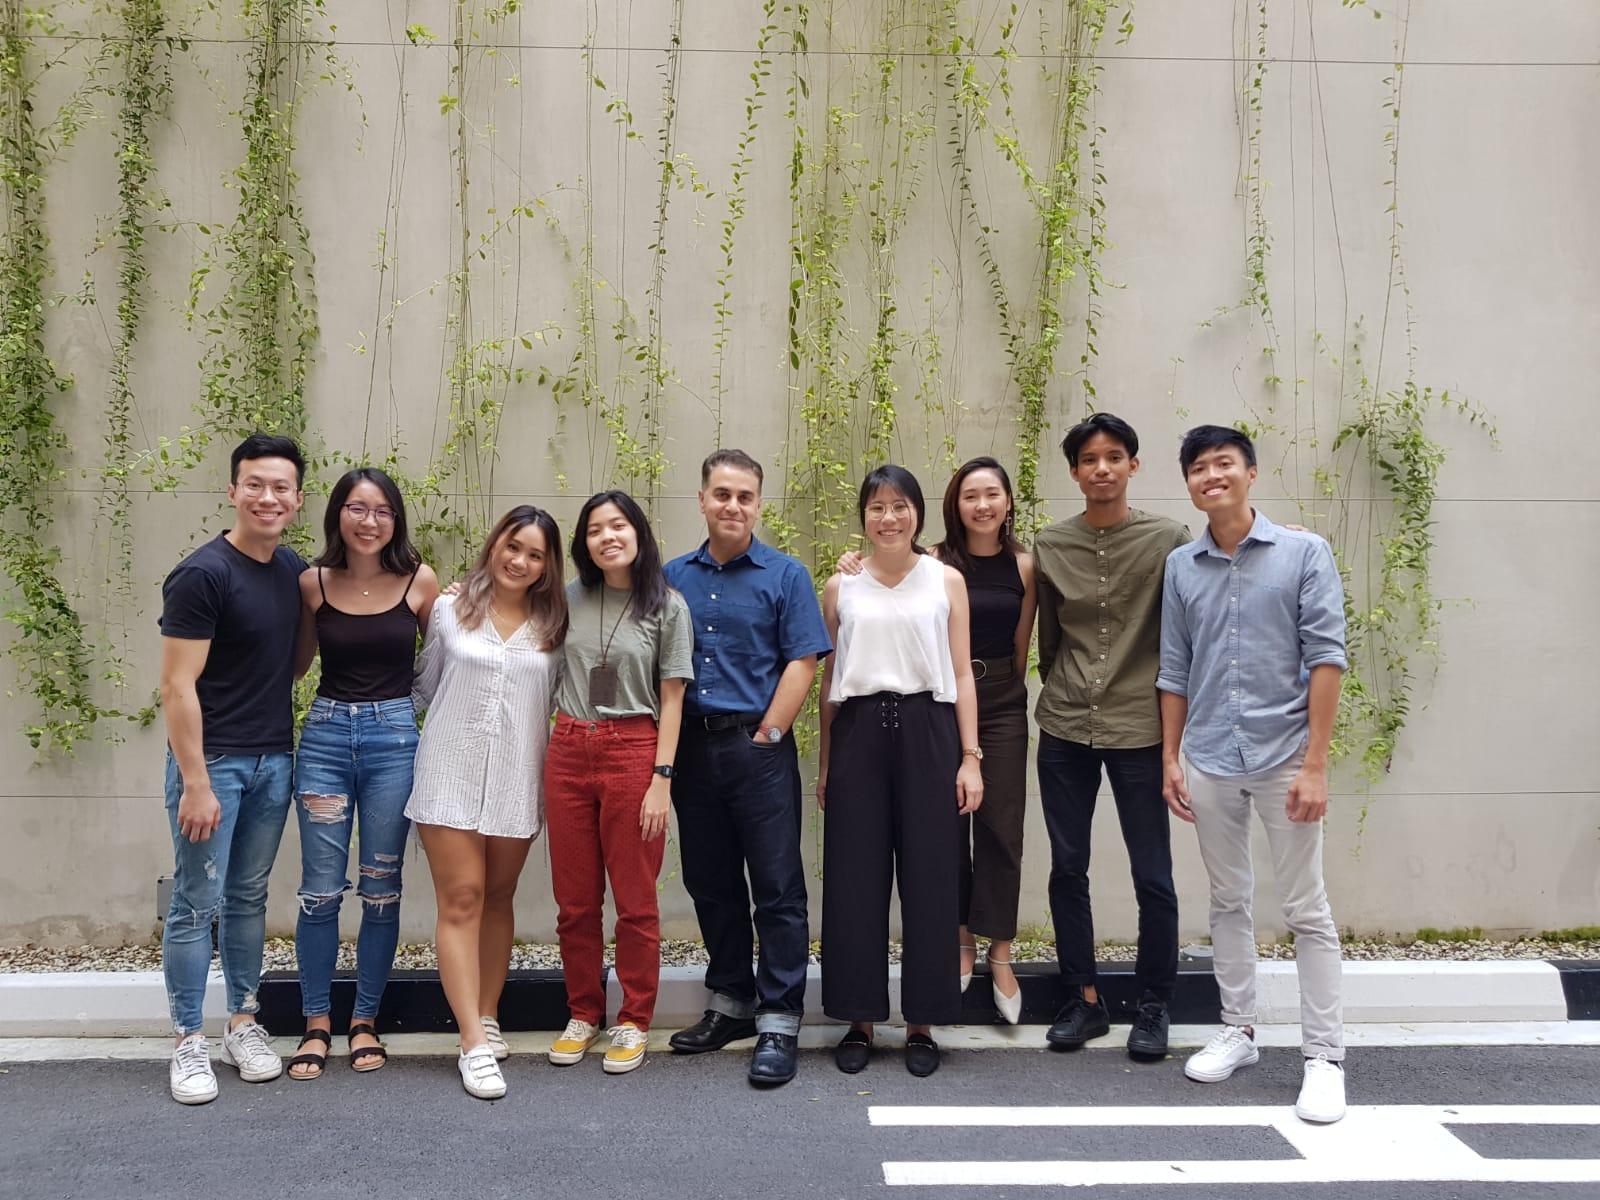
[758, 633]
[1252, 655]
[230, 651]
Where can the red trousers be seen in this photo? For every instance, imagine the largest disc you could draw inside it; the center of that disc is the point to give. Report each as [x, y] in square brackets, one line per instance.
[595, 776]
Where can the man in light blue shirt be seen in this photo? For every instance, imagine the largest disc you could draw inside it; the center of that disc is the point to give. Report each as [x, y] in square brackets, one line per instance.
[1252, 656]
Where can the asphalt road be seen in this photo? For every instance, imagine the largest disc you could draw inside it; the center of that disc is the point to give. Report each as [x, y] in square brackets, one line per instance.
[692, 1128]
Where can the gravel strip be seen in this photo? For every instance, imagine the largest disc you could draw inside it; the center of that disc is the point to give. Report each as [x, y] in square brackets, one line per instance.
[527, 956]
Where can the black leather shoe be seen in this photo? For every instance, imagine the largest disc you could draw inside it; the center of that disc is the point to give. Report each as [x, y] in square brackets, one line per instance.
[922, 1055]
[711, 1032]
[775, 1059]
[1147, 1041]
[1077, 1022]
[852, 1052]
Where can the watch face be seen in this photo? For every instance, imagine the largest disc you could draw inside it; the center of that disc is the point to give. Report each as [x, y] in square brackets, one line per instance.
[774, 735]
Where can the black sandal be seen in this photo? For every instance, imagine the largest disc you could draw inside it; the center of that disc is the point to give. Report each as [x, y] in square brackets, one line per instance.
[320, 1061]
[358, 1057]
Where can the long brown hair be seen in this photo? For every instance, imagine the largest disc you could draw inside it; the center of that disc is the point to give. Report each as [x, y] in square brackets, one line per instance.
[952, 551]
[547, 598]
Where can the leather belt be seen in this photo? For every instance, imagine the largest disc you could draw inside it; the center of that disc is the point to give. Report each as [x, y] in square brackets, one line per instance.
[993, 668]
[715, 722]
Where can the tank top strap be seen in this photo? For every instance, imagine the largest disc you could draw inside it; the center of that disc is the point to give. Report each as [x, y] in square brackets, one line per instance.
[414, 572]
[321, 587]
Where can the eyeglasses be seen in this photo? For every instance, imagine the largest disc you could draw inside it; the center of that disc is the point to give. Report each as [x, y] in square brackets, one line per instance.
[255, 489]
[360, 512]
[899, 510]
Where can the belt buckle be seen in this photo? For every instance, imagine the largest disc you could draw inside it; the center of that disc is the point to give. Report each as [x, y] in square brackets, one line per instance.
[976, 675]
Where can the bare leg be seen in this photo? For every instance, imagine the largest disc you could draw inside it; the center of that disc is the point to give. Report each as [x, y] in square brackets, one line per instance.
[457, 859]
[1000, 966]
[505, 859]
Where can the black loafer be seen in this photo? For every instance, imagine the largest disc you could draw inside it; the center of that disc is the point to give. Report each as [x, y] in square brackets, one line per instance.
[1077, 1022]
[852, 1052]
[775, 1059]
[1147, 1040]
[711, 1032]
[922, 1055]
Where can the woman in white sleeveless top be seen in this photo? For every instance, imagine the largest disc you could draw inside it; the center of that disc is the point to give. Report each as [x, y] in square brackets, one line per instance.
[898, 769]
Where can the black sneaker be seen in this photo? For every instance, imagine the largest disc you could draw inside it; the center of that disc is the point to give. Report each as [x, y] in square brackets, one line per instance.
[1077, 1022]
[1147, 1041]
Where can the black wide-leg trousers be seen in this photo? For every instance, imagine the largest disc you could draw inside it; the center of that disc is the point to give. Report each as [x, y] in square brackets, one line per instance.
[891, 816]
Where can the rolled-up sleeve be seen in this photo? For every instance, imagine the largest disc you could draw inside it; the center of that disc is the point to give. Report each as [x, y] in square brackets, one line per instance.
[1322, 626]
[1177, 652]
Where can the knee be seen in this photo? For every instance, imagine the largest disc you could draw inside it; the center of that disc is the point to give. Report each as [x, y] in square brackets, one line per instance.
[317, 908]
[380, 885]
[1230, 898]
[460, 902]
[500, 895]
[1309, 917]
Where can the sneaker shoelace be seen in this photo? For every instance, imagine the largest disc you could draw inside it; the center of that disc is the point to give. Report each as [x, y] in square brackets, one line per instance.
[252, 1039]
[577, 1031]
[1149, 1018]
[1226, 1039]
[626, 1037]
[193, 1058]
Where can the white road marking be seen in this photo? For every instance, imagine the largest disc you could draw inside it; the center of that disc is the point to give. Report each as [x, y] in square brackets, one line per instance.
[1375, 1143]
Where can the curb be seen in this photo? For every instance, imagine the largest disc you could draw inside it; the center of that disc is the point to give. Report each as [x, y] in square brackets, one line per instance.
[134, 1003]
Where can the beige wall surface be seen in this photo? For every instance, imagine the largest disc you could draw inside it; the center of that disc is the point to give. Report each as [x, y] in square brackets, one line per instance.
[1490, 814]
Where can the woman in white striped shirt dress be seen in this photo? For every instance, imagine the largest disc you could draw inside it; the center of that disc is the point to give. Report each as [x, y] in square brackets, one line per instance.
[488, 678]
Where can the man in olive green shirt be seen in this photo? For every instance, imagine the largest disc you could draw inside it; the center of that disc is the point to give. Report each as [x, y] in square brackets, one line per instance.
[1100, 575]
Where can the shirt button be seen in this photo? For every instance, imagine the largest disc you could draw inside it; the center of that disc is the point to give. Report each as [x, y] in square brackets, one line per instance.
[1102, 604]
[708, 658]
[1102, 658]
[711, 628]
[1235, 632]
[1236, 729]
[1232, 662]
[1094, 708]
[1102, 579]
[1235, 567]
[713, 595]
[1105, 631]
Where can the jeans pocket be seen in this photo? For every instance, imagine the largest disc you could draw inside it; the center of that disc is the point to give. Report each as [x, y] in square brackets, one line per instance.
[399, 717]
[213, 759]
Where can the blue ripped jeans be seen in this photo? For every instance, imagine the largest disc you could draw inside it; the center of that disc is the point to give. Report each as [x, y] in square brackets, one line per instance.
[355, 760]
[223, 878]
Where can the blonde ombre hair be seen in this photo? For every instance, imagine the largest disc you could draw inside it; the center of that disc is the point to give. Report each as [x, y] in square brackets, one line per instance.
[546, 599]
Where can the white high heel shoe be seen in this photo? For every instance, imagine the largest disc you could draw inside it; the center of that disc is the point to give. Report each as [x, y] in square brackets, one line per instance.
[966, 979]
[1009, 1007]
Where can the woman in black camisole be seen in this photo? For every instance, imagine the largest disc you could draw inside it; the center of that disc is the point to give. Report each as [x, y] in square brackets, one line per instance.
[368, 597]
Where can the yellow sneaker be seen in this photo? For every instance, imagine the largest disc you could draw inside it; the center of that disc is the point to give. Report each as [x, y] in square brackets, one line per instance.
[626, 1050]
[573, 1043]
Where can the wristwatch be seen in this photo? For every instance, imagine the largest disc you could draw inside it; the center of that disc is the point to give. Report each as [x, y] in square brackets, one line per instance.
[663, 769]
[769, 733]
[975, 751]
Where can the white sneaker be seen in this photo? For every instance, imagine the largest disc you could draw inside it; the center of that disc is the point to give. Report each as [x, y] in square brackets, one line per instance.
[190, 1077]
[246, 1047]
[496, 1039]
[1229, 1049]
[1321, 1092]
[480, 1074]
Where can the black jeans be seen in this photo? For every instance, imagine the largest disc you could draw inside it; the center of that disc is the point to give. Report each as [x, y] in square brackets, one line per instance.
[738, 805]
[1069, 780]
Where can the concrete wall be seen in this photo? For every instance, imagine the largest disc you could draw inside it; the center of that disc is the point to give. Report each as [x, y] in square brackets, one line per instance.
[1490, 815]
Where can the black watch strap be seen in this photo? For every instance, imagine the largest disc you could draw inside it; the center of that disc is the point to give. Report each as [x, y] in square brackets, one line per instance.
[663, 769]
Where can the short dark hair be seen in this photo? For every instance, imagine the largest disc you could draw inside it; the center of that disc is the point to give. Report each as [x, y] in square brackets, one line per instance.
[1211, 437]
[1101, 422]
[649, 580]
[267, 445]
[896, 479]
[730, 458]
[399, 557]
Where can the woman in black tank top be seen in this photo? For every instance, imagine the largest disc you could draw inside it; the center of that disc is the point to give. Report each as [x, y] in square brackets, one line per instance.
[980, 541]
[366, 600]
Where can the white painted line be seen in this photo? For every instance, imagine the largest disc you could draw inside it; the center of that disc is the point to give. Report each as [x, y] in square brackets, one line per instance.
[1378, 1143]
[1220, 1115]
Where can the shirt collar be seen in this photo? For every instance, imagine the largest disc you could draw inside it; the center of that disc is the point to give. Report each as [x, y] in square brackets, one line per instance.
[1261, 530]
[755, 555]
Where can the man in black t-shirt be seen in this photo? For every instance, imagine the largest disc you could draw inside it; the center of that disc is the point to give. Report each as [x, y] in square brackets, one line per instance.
[231, 647]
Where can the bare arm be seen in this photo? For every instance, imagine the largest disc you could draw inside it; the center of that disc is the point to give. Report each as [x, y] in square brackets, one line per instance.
[1308, 793]
[969, 777]
[182, 660]
[825, 710]
[1030, 608]
[424, 592]
[793, 685]
[1174, 787]
[658, 797]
